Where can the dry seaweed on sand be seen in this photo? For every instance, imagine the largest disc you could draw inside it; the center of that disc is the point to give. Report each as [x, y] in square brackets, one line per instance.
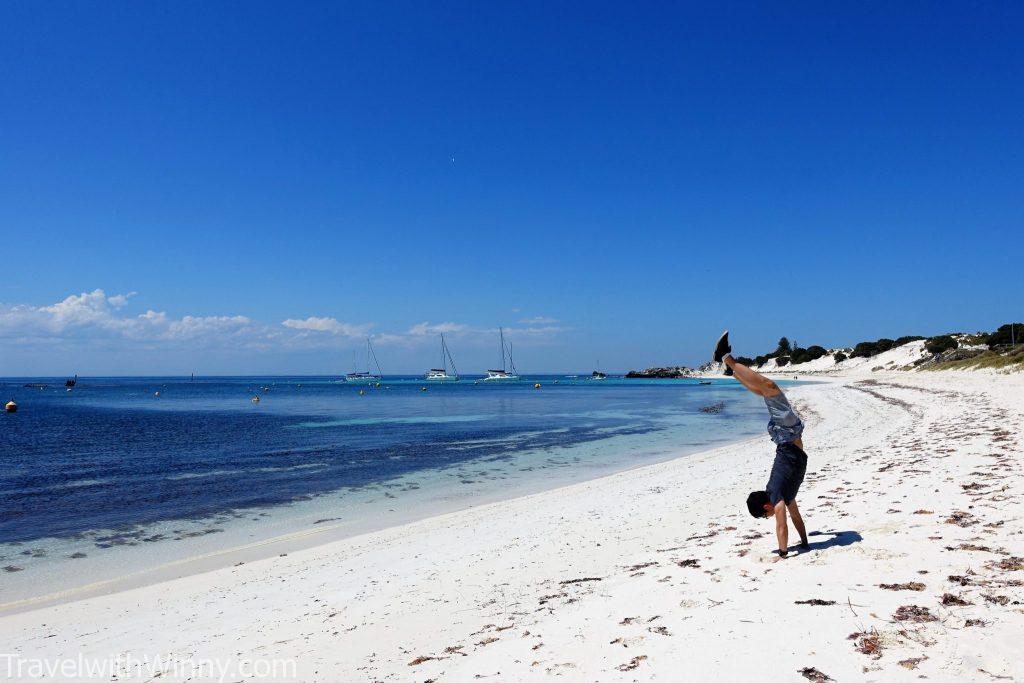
[585, 578]
[911, 663]
[962, 580]
[1009, 564]
[813, 675]
[689, 563]
[1000, 600]
[632, 664]
[961, 518]
[642, 565]
[815, 602]
[950, 599]
[867, 643]
[971, 547]
[908, 586]
[914, 613]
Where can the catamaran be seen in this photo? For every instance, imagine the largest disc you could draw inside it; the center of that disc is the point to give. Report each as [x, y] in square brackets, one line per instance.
[504, 374]
[366, 377]
[441, 374]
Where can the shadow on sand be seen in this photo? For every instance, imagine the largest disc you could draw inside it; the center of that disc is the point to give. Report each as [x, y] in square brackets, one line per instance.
[835, 538]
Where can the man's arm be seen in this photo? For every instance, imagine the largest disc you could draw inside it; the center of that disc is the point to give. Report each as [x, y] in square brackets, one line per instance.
[798, 522]
[782, 528]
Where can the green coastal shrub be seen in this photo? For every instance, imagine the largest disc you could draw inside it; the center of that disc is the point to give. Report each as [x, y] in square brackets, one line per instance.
[782, 360]
[940, 344]
[839, 356]
[864, 350]
[906, 340]
[1003, 336]
[804, 355]
[867, 349]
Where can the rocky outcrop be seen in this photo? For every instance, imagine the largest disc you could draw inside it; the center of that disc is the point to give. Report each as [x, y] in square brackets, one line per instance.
[676, 372]
[947, 356]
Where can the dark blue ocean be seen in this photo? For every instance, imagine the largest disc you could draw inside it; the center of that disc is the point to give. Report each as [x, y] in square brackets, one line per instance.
[110, 465]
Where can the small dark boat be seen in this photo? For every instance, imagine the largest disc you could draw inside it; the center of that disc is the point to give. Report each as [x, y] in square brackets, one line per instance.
[71, 382]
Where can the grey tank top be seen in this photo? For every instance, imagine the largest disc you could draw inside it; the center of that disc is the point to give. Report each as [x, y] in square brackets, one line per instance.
[784, 425]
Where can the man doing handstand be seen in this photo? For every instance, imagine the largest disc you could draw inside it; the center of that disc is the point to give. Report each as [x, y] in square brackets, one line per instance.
[785, 429]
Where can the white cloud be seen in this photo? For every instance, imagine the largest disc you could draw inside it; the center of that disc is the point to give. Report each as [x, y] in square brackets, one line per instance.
[426, 333]
[534, 333]
[95, 316]
[327, 325]
[427, 329]
[119, 300]
[78, 310]
[191, 327]
[89, 313]
[538, 320]
[154, 317]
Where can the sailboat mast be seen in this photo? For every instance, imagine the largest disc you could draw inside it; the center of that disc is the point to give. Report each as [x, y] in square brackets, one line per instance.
[446, 358]
[376, 363]
[501, 331]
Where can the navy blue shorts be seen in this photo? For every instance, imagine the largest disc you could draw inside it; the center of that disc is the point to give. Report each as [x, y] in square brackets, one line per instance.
[787, 473]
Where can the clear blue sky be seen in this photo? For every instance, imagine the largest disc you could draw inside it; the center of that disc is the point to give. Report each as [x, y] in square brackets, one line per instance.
[626, 178]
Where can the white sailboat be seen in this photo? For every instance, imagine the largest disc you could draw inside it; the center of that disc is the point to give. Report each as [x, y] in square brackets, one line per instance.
[508, 371]
[441, 374]
[597, 374]
[366, 377]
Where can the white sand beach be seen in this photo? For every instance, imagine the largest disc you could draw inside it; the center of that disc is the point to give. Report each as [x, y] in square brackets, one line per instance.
[655, 573]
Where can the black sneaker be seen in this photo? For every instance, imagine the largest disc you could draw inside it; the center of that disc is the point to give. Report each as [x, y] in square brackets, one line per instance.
[727, 371]
[722, 347]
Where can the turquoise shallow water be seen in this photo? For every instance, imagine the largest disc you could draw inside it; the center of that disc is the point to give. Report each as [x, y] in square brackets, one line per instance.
[111, 475]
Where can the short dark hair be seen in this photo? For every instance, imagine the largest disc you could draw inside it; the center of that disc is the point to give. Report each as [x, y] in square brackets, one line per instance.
[756, 502]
